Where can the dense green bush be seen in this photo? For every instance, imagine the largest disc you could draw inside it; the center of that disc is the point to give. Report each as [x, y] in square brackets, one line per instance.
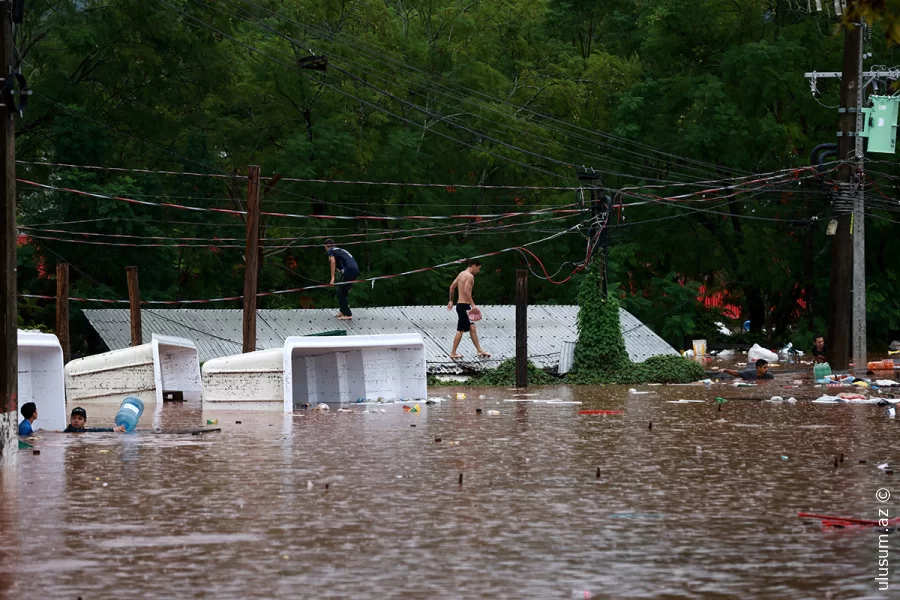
[600, 355]
[505, 374]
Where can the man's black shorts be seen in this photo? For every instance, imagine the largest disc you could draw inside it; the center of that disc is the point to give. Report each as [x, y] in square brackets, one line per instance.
[463, 324]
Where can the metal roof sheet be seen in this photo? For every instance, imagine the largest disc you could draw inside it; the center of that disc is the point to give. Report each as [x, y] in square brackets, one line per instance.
[218, 332]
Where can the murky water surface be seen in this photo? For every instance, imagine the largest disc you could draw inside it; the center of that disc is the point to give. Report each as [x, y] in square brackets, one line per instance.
[331, 505]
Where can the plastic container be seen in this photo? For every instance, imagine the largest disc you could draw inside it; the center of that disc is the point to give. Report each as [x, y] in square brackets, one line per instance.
[130, 413]
[699, 347]
[880, 365]
[821, 370]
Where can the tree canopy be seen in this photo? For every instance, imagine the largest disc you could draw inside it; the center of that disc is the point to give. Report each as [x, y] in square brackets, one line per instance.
[438, 108]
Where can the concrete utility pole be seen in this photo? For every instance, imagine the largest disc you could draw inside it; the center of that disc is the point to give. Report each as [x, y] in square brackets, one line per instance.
[251, 259]
[847, 296]
[9, 347]
[858, 232]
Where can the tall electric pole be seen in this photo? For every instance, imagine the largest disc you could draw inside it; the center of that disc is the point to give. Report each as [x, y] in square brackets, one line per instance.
[9, 346]
[847, 287]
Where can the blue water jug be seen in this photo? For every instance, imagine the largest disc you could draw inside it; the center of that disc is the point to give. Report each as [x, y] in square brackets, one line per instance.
[130, 413]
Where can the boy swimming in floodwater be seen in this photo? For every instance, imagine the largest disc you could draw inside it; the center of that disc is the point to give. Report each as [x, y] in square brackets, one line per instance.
[78, 419]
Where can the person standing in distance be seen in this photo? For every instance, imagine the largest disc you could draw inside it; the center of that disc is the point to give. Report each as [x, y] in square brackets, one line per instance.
[344, 262]
[464, 283]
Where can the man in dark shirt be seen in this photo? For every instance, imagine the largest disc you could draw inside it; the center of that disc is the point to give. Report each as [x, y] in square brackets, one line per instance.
[818, 350]
[344, 262]
[78, 419]
[760, 372]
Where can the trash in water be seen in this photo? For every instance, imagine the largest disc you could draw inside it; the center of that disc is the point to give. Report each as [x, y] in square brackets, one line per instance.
[791, 400]
[634, 391]
[776, 399]
[684, 401]
[699, 449]
[322, 406]
[344, 410]
[600, 412]
[757, 352]
[542, 401]
[212, 421]
[849, 396]
[482, 397]
[783, 457]
[721, 400]
[460, 396]
[309, 485]
[892, 412]
[493, 412]
[883, 466]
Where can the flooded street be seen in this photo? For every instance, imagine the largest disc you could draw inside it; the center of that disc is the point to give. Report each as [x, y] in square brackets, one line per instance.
[703, 503]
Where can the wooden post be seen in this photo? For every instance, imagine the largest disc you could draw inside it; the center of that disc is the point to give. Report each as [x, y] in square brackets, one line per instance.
[251, 259]
[840, 288]
[134, 297]
[62, 308]
[9, 346]
[521, 328]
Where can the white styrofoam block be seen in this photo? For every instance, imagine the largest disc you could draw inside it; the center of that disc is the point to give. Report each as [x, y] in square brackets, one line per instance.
[164, 364]
[318, 369]
[342, 369]
[246, 380]
[41, 379]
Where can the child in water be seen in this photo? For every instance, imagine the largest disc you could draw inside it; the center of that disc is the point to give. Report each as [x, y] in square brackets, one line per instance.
[77, 420]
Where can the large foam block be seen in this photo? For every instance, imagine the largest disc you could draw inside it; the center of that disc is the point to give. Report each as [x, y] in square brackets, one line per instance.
[312, 369]
[166, 364]
[345, 369]
[41, 379]
[254, 380]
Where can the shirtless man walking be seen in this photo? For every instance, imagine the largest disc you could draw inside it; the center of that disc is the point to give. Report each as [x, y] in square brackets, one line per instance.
[464, 283]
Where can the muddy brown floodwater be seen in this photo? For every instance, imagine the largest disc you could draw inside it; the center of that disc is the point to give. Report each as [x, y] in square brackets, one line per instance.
[336, 505]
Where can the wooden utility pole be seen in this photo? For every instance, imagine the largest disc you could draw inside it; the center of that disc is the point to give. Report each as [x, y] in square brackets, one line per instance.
[251, 259]
[521, 328]
[841, 285]
[9, 346]
[134, 299]
[62, 309]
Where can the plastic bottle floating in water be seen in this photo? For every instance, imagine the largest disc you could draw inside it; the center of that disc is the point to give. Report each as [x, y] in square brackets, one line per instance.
[130, 413]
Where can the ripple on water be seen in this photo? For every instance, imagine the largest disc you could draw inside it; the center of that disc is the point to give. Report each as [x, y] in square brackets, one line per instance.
[234, 515]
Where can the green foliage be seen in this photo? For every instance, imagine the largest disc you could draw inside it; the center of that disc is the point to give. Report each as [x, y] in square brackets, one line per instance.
[666, 369]
[128, 83]
[600, 347]
[505, 375]
[600, 355]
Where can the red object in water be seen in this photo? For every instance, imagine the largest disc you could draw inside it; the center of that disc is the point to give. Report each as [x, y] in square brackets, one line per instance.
[830, 521]
[600, 412]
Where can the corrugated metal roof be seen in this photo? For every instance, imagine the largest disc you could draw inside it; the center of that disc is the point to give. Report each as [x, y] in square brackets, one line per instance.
[218, 332]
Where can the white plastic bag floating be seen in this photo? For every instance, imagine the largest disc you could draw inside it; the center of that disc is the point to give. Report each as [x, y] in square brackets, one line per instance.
[757, 352]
